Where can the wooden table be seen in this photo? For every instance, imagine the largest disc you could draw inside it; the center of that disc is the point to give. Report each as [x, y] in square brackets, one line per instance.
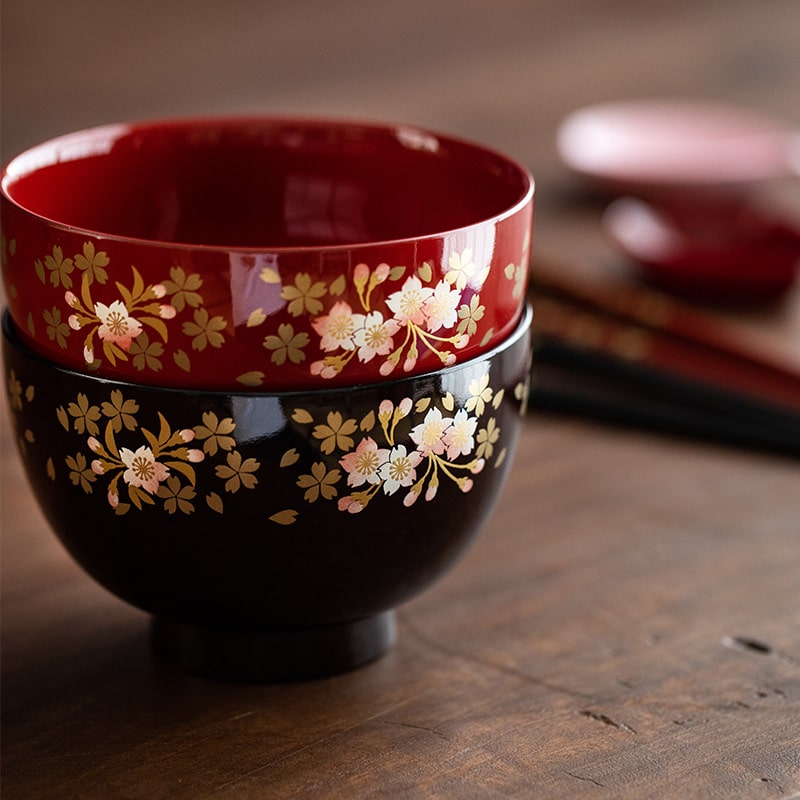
[628, 624]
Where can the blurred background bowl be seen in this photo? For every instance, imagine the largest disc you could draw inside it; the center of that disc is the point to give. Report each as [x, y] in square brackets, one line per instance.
[263, 253]
[270, 534]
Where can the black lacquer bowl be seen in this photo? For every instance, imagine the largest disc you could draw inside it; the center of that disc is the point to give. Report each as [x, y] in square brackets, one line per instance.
[269, 535]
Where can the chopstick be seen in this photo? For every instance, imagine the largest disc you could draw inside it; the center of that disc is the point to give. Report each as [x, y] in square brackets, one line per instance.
[638, 358]
[642, 325]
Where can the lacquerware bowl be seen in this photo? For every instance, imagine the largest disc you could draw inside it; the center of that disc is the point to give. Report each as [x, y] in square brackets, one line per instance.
[263, 254]
[270, 535]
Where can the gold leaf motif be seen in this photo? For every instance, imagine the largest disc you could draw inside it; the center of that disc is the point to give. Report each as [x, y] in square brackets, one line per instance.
[425, 272]
[498, 398]
[338, 286]
[286, 517]
[395, 273]
[29, 392]
[122, 508]
[289, 457]
[302, 417]
[51, 469]
[449, 402]
[487, 337]
[214, 502]
[256, 318]
[501, 457]
[182, 360]
[29, 437]
[368, 423]
[62, 417]
[422, 404]
[31, 325]
[269, 275]
[254, 378]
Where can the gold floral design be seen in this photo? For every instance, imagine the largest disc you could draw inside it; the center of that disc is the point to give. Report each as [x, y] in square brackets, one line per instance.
[405, 448]
[57, 328]
[416, 314]
[384, 318]
[120, 322]
[122, 318]
[402, 449]
[18, 396]
[149, 465]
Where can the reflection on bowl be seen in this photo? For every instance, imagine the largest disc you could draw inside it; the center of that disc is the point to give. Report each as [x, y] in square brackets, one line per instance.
[263, 254]
[269, 534]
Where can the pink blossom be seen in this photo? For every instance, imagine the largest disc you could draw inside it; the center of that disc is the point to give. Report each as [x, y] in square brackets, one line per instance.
[116, 324]
[142, 469]
[336, 328]
[407, 303]
[364, 463]
[349, 503]
[373, 335]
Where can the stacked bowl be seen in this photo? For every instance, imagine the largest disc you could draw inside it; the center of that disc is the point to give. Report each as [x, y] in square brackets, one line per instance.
[266, 375]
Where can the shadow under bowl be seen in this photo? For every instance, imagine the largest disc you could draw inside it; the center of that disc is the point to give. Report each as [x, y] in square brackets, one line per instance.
[270, 535]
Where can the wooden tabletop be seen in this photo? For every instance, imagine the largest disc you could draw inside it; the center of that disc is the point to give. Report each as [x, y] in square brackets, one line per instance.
[627, 624]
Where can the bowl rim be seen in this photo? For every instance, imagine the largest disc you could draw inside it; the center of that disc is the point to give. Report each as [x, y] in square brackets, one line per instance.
[12, 170]
[11, 338]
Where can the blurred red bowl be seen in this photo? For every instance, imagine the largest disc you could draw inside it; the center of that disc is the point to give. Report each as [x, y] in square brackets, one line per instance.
[710, 254]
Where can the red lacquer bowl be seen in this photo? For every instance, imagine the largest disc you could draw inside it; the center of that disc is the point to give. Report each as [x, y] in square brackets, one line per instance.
[263, 253]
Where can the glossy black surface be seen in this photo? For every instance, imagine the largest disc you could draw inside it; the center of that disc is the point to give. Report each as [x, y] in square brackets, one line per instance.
[250, 532]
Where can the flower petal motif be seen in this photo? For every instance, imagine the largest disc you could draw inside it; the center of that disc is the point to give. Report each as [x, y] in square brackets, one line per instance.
[480, 395]
[407, 303]
[399, 469]
[116, 324]
[429, 434]
[373, 335]
[461, 268]
[363, 464]
[441, 307]
[304, 295]
[459, 437]
[336, 328]
[143, 471]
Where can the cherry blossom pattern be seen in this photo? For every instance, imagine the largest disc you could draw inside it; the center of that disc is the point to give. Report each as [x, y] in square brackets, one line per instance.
[119, 316]
[420, 314]
[403, 448]
[148, 466]
[118, 323]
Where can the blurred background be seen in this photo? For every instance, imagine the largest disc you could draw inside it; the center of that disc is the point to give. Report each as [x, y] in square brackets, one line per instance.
[502, 72]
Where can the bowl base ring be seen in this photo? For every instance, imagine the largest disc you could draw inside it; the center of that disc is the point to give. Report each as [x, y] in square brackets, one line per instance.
[274, 655]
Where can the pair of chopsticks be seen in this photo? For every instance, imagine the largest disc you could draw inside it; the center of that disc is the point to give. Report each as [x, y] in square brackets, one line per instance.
[633, 356]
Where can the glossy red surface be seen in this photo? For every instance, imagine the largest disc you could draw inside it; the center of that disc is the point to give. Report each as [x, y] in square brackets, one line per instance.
[264, 253]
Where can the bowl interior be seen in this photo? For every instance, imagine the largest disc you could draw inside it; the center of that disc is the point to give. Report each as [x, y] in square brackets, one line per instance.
[263, 183]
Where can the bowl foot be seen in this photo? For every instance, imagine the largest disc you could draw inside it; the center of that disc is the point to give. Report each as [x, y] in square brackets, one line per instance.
[272, 655]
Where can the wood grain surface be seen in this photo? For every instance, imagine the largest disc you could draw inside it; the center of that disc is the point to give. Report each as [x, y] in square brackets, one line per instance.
[628, 623]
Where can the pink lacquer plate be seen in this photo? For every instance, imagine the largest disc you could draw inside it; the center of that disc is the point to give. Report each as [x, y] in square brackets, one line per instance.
[263, 253]
[659, 147]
